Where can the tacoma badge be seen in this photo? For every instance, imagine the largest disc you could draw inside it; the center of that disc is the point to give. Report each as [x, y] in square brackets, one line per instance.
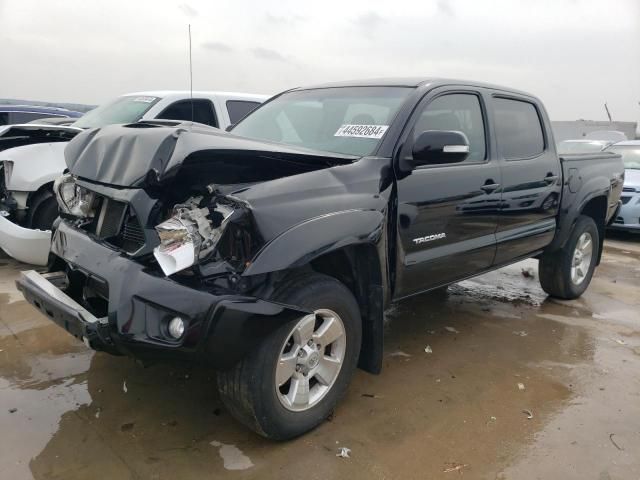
[429, 238]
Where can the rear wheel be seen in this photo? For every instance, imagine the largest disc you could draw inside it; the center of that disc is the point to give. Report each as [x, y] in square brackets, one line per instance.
[295, 378]
[567, 273]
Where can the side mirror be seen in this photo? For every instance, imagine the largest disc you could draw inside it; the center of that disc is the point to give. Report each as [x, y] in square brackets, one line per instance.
[440, 146]
[229, 127]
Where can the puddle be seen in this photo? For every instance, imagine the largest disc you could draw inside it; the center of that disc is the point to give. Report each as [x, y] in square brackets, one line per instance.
[232, 456]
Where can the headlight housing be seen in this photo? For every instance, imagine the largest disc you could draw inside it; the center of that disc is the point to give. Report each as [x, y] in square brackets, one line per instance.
[190, 234]
[72, 198]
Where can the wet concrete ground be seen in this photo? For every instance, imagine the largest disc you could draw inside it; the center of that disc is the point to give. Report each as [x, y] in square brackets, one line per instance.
[69, 413]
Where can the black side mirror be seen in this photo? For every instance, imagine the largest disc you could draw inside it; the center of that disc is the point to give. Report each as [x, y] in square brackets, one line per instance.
[440, 146]
[229, 127]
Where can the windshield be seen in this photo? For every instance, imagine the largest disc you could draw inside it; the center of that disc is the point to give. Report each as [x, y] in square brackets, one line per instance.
[350, 121]
[572, 146]
[127, 109]
[630, 156]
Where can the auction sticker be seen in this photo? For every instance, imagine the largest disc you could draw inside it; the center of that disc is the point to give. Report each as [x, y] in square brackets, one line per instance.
[361, 131]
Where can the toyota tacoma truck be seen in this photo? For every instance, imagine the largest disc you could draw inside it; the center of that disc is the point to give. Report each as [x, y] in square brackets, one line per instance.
[270, 252]
[32, 157]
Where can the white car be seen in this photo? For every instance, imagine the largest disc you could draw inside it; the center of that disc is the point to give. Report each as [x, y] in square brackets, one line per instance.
[32, 157]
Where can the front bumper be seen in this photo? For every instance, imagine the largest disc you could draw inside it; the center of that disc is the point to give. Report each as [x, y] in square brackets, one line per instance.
[221, 326]
[24, 244]
[628, 217]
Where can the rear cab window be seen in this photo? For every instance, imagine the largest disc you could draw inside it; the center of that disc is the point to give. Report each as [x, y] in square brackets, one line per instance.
[202, 112]
[238, 109]
[518, 128]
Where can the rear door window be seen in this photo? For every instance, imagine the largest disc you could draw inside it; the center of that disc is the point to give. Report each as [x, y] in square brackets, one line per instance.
[518, 128]
[203, 111]
[238, 109]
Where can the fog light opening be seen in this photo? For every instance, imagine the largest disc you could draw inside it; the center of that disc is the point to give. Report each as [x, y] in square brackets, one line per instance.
[176, 327]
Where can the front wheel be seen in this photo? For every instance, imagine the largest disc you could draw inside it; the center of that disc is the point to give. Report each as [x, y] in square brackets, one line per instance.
[295, 378]
[567, 272]
[44, 211]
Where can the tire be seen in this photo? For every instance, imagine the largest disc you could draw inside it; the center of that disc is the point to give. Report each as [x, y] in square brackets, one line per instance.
[249, 390]
[555, 268]
[44, 211]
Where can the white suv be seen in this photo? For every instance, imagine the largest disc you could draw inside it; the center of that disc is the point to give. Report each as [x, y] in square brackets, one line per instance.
[32, 157]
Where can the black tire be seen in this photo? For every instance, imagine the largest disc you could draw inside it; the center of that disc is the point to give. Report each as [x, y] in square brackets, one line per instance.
[44, 211]
[555, 267]
[248, 390]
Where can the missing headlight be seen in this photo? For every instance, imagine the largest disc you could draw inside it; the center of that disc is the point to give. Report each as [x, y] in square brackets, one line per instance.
[190, 234]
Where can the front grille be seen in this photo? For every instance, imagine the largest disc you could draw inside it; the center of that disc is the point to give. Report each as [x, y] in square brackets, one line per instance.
[132, 235]
[625, 200]
[117, 224]
[111, 217]
[619, 220]
[628, 189]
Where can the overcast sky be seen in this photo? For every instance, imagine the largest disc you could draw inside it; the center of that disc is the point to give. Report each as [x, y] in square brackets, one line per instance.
[574, 54]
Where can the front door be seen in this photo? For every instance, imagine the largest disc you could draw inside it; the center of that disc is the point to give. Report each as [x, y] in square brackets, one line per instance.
[447, 213]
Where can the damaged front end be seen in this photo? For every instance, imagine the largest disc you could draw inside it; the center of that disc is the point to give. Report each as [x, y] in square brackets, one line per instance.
[157, 257]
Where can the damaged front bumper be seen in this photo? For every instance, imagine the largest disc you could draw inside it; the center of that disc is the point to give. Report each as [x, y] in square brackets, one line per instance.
[220, 327]
[24, 244]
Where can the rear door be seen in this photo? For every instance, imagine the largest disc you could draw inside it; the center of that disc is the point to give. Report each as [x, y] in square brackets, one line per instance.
[447, 213]
[531, 177]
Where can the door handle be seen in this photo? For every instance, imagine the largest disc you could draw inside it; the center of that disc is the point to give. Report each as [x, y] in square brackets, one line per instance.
[551, 179]
[489, 187]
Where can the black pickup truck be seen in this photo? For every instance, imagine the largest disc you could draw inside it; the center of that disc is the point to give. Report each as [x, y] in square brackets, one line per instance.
[271, 252]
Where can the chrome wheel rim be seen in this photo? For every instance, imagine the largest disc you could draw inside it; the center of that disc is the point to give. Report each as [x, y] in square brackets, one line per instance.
[310, 360]
[581, 260]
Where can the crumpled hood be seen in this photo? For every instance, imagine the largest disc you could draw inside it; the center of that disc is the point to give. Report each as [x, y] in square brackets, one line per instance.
[132, 155]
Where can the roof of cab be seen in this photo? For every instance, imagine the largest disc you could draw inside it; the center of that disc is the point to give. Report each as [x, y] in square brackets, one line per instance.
[411, 82]
[198, 93]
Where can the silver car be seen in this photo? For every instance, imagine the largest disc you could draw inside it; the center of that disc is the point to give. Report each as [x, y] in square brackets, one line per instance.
[629, 216]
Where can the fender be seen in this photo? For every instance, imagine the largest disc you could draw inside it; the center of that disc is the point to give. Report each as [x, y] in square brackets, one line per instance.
[317, 236]
[574, 203]
[307, 240]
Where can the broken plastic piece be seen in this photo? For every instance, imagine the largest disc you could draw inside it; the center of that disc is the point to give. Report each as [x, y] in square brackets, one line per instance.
[454, 467]
[428, 349]
[521, 386]
[451, 329]
[344, 452]
[528, 273]
[529, 414]
[399, 353]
